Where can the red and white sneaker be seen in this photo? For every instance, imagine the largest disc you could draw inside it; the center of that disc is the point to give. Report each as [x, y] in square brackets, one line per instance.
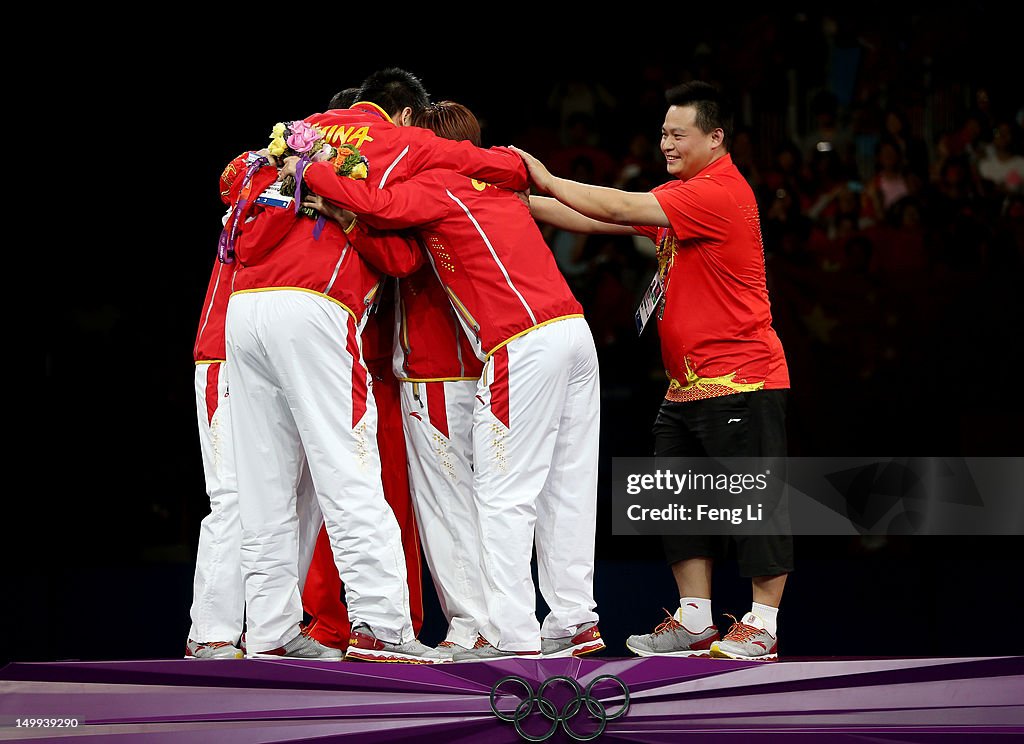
[363, 645]
[483, 651]
[672, 638]
[747, 640]
[212, 650]
[587, 640]
[449, 648]
[302, 646]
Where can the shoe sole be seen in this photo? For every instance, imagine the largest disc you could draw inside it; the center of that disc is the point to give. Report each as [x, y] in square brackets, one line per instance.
[705, 654]
[500, 658]
[717, 653]
[392, 658]
[294, 658]
[581, 650]
[239, 655]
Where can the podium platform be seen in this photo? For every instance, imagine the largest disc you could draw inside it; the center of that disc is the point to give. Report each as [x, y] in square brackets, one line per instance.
[670, 700]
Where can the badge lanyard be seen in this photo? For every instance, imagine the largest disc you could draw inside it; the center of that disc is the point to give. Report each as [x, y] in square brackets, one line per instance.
[652, 297]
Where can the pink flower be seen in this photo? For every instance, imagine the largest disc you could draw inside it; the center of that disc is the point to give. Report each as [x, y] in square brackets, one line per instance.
[303, 136]
[324, 153]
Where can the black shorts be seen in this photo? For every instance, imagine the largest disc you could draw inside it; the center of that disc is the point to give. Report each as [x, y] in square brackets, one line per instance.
[701, 428]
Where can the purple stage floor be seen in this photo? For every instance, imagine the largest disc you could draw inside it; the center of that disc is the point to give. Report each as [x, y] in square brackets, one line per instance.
[670, 700]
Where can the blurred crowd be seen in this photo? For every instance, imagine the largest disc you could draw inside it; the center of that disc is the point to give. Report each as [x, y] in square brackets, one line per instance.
[892, 207]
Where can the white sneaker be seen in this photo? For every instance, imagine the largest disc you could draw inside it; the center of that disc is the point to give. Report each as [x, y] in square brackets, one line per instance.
[586, 640]
[363, 645]
[299, 647]
[484, 651]
[449, 648]
[212, 650]
[747, 640]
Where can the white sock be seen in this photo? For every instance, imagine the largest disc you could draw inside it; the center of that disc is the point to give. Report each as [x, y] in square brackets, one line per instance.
[694, 613]
[769, 617]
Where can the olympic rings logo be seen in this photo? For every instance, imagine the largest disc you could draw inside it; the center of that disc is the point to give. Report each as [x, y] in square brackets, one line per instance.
[581, 700]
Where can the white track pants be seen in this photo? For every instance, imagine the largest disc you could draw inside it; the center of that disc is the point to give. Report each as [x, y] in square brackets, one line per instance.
[438, 422]
[218, 597]
[218, 593]
[300, 396]
[536, 437]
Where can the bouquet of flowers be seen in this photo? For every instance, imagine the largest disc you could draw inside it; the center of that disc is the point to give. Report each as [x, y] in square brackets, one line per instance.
[307, 141]
[350, 162]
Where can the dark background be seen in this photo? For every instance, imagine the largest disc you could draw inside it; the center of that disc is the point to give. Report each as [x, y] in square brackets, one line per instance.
[913, 356]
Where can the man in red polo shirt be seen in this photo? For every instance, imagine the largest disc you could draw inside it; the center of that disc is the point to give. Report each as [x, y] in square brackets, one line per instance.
[726, 366]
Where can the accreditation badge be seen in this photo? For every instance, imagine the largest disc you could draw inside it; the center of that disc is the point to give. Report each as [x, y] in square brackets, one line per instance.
[273, 197]
[649, 302]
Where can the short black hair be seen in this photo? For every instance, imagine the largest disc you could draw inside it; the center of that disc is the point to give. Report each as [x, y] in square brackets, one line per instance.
[344, 98]
[393, 89]
[713, 111]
